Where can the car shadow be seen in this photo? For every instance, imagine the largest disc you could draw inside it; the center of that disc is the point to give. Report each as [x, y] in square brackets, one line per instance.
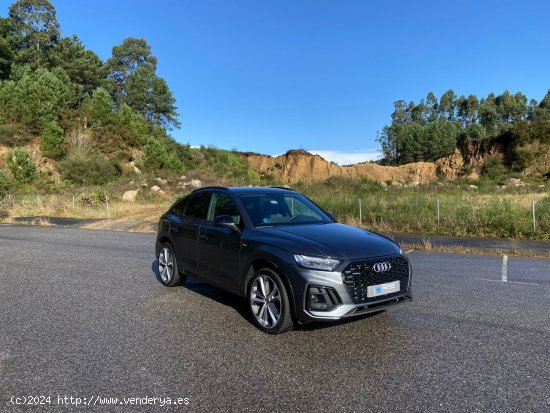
[214, 293]
[239, 303]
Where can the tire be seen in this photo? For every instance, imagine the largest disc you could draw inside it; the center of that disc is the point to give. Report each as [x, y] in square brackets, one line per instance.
[271, 315]
[168, 267]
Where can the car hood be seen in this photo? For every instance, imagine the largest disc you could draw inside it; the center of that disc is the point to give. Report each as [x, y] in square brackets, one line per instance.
[336, 240]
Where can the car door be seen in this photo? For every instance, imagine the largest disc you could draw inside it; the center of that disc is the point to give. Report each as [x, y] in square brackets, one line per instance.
[219, 246]
[184, 230]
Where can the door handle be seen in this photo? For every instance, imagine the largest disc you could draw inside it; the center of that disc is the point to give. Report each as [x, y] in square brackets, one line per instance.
[203, 237]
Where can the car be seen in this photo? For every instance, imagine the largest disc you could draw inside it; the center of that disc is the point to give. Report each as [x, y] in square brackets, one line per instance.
[289, 257]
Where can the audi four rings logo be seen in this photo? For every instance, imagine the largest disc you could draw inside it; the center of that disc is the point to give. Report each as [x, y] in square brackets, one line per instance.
[381, 267]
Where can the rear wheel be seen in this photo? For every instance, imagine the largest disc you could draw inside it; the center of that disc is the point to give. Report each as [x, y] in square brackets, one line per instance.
[168, 267]
[269, 302]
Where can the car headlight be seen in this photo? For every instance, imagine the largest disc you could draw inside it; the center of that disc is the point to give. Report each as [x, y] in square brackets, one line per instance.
[316, 263]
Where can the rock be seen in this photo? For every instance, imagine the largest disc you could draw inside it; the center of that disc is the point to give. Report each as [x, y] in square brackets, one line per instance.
[195, 183]
[472, 187]
[440, 184]
[512, 182]
[161, 182]
[542, 186]
[415, 183]
[394, 183]
[183, 178]
[144, 185]
[161, 193]
[129, 196]
[135, 168]
[132, 182]
[383, 184]
[155, 188]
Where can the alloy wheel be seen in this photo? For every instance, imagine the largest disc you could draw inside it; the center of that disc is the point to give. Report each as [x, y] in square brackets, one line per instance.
[265, 301]
[166, 265]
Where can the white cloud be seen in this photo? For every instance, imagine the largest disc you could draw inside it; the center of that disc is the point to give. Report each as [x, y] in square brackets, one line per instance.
[348, 158]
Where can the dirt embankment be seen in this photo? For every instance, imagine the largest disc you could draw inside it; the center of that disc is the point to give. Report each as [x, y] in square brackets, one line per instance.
[299, 165]
[295, 166]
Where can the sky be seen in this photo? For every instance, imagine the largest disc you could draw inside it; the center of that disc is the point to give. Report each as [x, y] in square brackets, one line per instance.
[268, 76]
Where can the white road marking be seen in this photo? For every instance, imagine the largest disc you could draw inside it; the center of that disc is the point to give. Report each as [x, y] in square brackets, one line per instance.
[508, 282]
[409, 251]
[505, 268]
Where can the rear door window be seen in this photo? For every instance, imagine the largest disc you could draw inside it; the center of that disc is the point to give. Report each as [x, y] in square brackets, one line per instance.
[198, 205]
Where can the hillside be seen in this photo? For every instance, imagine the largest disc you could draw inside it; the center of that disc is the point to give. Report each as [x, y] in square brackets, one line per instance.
[471, 160]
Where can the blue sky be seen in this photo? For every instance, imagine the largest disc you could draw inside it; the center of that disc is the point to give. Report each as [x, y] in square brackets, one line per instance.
[267, 76]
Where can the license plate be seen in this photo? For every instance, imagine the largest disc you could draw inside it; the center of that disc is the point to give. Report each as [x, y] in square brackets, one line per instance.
[383, 289]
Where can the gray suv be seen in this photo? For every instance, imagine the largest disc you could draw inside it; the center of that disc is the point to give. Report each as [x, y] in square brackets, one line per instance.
[290, 258]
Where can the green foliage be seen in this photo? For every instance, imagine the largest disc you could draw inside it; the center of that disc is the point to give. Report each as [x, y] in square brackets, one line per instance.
[98, 109]
[35, 29]
[35, 98]
[493, 168]
[156, 157]
[83, 67]
[227, 164]
[53, 143]
[427, 130]
[135, 83]
[21, 166]
[133, 126]
[6, 184]
[88, 170]
[14, 134]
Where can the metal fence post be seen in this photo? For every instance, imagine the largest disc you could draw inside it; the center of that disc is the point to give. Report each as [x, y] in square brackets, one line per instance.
[360, 212]
[438, 216]
[534, 218]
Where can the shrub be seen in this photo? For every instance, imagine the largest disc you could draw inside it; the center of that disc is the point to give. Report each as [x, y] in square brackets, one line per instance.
[14, 135]
[88, 170]
[493, 168]
[156, 157]
[53, 144]
[6, 184]
[21, 166]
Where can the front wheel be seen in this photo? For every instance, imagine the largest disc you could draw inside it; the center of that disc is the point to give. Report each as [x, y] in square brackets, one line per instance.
[168, 267]
[269, 303]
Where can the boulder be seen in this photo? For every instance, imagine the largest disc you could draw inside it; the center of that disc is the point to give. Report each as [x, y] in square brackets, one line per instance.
[195, 183]
[161, 182]
[155, 188]
[129, 196]
[472, 187]
[135, 168]
[161, 193]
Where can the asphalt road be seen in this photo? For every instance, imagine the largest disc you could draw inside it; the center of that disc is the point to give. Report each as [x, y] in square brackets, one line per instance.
[82, 314]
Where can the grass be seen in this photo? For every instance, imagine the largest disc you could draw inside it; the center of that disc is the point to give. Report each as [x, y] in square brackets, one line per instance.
[485, 212]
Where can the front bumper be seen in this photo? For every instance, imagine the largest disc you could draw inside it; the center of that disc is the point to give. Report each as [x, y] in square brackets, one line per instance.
[302, 279]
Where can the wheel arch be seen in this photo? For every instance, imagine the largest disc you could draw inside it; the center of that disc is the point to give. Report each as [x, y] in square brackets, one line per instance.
[264, 261]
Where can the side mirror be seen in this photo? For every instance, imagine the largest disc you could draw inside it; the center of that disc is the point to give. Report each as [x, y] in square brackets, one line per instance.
[226, 221]
[331, 216]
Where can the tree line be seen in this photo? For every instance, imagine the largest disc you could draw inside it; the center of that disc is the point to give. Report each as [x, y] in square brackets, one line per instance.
[89, 112]
[433, 128]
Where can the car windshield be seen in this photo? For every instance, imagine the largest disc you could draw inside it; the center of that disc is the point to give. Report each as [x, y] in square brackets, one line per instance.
[268, 209]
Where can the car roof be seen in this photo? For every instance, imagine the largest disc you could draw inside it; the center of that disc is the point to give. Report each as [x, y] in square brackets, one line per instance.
[246, 189]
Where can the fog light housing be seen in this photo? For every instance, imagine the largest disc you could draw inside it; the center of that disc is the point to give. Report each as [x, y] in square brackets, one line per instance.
[322, 298]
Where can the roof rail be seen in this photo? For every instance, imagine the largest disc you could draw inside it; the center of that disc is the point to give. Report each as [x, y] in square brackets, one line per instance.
[281, 187]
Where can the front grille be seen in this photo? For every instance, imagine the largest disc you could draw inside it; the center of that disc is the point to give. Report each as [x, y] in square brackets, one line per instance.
[359, 275]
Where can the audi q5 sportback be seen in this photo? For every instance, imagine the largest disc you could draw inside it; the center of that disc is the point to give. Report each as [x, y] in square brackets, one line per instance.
[291, 260]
